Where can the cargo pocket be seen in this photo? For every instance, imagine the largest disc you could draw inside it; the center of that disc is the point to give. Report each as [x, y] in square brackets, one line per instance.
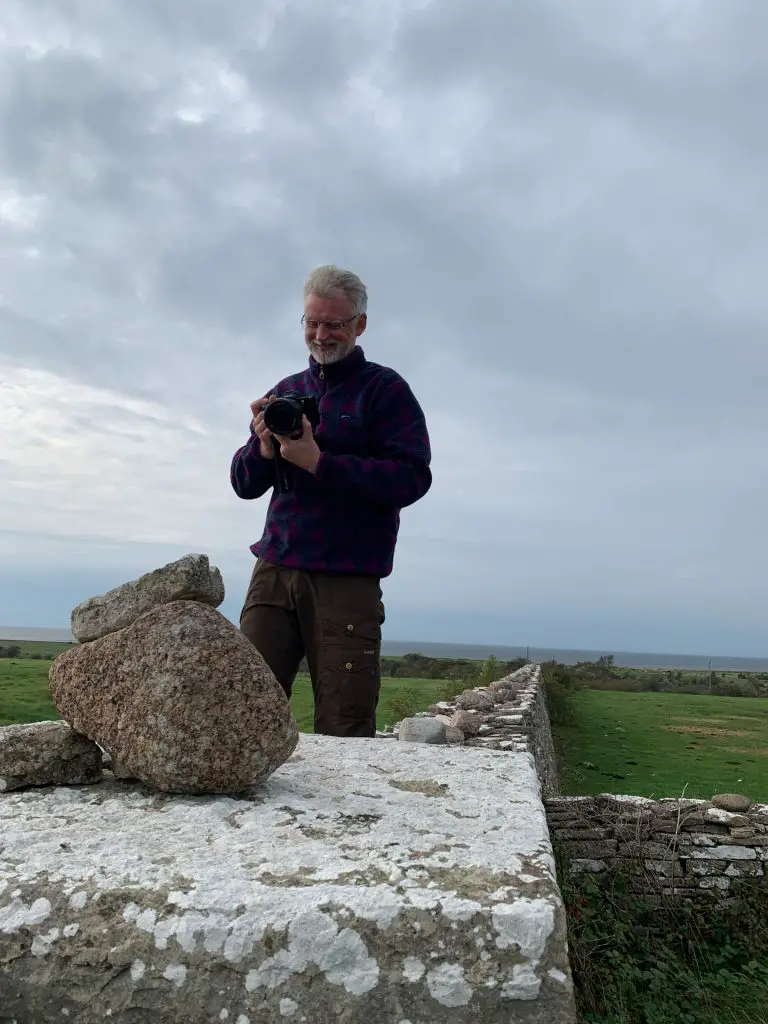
[348, 675]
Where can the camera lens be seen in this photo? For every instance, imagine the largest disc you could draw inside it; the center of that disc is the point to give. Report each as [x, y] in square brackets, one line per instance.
[283, 416]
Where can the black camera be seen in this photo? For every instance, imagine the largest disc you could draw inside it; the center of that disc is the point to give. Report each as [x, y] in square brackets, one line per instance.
[282, 416]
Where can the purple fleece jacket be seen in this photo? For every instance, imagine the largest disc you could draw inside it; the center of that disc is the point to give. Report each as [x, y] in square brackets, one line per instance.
[375, 459]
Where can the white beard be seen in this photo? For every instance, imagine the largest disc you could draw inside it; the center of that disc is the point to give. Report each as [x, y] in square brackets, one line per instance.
[325, 357]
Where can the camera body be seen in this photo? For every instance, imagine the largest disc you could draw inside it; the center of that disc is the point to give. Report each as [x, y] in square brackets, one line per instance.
[283, 416]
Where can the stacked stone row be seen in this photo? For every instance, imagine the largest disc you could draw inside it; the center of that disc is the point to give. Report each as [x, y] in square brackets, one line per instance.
[497, 716]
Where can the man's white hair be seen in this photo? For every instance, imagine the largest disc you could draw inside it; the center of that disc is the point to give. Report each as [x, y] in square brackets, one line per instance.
[328, 281]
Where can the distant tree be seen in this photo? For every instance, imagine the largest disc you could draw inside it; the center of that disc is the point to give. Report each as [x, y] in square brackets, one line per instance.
[490, 671]
[13, 651]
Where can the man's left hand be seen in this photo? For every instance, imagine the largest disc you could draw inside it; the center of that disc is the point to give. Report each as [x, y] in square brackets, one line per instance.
[301, 451]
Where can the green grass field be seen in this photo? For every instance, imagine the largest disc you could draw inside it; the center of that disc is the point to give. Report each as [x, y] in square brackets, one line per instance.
[643, 744]
[24, 695]
[664, 744]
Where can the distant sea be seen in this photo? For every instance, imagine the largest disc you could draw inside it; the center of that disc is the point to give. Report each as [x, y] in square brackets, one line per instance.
[479, 652]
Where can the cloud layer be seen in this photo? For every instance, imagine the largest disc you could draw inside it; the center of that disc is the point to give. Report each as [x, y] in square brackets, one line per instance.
[560, 212]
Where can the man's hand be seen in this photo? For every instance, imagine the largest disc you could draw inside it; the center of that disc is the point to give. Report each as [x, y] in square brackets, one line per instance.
[264, 436]
[301, 451]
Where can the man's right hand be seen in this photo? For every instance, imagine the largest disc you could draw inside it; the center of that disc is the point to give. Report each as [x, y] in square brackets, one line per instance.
[264, 435]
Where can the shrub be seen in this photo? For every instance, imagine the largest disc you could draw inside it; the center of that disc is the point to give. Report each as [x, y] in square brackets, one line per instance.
[404, 706]
[560, 683]
[687, 963]
[453, 688]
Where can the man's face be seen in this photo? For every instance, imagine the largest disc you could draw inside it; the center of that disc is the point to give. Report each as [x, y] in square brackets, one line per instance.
[330, 328]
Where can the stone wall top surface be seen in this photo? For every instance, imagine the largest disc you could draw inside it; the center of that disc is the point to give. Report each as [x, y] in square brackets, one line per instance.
[387, 882]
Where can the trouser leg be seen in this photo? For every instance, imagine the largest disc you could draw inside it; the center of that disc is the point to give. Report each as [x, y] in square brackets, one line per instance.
[269, 620]
[341, 619]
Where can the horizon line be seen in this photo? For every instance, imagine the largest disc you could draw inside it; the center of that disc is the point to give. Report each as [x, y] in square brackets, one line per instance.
[601, 651]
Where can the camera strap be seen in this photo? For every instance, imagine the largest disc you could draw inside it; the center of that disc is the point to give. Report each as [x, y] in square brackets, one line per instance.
[281, 469]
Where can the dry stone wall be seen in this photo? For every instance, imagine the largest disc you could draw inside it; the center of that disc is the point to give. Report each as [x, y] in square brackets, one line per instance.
[695, 849]
[671, 848]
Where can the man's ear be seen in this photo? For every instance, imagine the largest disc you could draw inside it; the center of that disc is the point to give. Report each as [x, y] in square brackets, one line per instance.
[362, 322]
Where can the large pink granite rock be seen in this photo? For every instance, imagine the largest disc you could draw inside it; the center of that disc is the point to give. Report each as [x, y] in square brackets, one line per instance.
[180, 699]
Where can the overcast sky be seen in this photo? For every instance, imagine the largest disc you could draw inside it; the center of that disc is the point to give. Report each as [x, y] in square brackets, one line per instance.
[561, 213]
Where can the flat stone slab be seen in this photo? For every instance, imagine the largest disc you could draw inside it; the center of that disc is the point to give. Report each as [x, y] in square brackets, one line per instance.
[190, 578]
[363, 881]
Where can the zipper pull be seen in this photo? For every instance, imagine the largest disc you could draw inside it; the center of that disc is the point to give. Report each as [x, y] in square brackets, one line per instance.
[322, 373]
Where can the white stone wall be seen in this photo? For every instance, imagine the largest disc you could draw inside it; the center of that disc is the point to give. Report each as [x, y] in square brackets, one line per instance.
[364, 881]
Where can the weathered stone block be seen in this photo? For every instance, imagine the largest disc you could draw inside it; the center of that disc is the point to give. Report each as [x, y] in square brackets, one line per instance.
[691, 842]
[453, 736]
[705, 867]
[636, 819]
[364, 882]
[594, 867]
[745, 832]
[475, 700]
[732, 801]
[721, 853]
[722, 817]
[667, 868]
[421, 730]
[582, 833]
[692, 816]
[46, 754]
[468, 721]
[717, 882]
[747, 869]
[647, 851]
[708, 828]
[753, 840]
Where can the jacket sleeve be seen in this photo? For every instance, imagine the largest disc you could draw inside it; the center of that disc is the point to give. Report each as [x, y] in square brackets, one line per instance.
[397, 473]
[250, 474]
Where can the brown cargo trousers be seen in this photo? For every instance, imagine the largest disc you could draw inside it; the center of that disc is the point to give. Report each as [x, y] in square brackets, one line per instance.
[335, 621]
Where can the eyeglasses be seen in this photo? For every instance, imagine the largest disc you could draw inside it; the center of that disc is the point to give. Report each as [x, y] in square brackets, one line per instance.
[332, 325]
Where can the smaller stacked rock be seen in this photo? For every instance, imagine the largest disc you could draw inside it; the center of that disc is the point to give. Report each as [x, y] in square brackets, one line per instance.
[162, 686]
[191, 578]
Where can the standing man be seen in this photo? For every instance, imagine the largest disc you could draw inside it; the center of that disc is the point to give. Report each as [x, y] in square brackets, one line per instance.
[334, 513]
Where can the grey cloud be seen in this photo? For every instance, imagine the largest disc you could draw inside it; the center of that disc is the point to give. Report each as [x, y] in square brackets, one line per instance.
[559, 210]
